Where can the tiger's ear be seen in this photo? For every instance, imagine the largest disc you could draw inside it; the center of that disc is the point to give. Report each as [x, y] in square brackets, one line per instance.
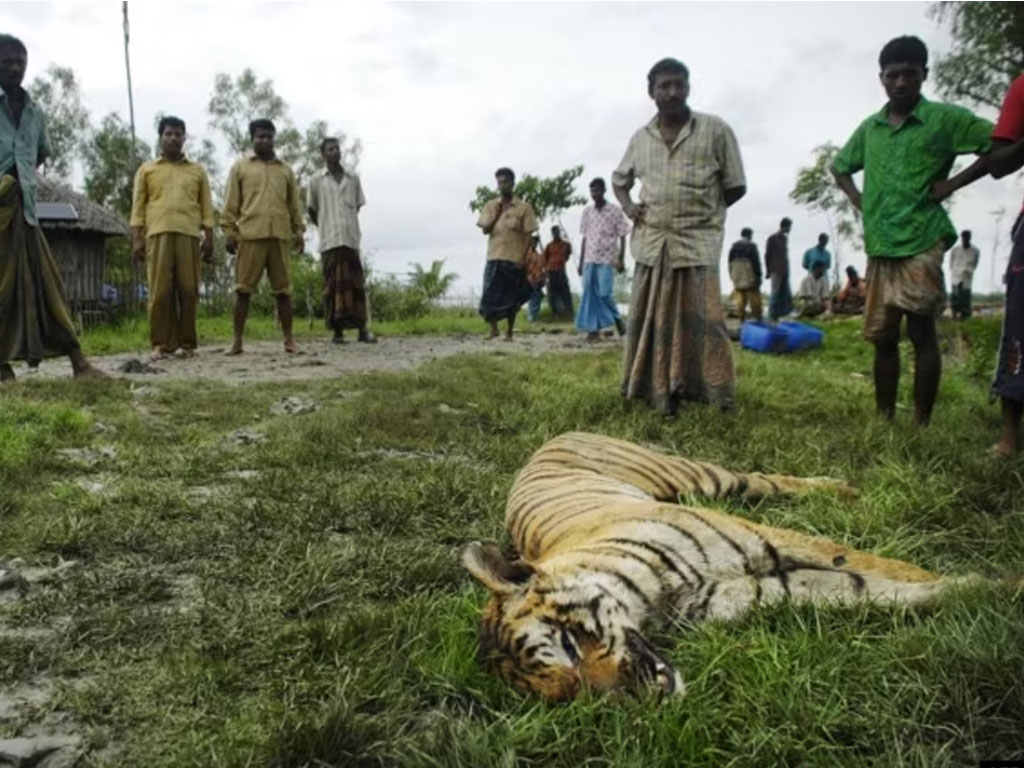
[488, 566]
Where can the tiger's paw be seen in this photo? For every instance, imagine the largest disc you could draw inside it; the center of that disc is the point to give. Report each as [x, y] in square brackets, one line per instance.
[840, 487]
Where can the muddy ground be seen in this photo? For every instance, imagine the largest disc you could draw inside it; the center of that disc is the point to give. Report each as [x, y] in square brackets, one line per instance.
[319, 359]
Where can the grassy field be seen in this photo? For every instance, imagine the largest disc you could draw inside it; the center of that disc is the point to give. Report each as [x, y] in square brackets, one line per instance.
[296, 599]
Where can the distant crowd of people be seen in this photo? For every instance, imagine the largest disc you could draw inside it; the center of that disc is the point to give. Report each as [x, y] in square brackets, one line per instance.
[689, 164]
[816, 294]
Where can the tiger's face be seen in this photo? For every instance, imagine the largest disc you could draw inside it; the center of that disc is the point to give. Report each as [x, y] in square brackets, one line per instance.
[543, 638]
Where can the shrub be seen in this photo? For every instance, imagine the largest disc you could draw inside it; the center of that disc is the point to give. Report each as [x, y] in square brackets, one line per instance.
[390, 300]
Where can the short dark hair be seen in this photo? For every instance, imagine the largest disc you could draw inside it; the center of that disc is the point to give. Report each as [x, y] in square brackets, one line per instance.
[965, 233]
[169, 121]
[10, 41]
[746, 232]
[261, 124]
[328, 140]
[508, 173]
[597, 181]
[666, 67]
[823, 236]
[851, 271]
[556, 228]
[786, 222]
[904, 50]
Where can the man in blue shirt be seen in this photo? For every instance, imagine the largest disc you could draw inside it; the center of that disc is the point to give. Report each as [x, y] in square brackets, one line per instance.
[818, 255]
[34, 318]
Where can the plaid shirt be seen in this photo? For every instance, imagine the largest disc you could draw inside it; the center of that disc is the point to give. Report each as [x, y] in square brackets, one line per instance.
[683, 189]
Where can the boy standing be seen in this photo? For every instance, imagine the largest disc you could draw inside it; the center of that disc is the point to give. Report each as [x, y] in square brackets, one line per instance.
[906, 151]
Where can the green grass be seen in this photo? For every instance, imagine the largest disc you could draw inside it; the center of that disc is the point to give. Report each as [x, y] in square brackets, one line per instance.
[316, 614]
[132, 334]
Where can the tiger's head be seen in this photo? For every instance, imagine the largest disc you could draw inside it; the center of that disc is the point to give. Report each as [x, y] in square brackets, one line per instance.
[554, 635]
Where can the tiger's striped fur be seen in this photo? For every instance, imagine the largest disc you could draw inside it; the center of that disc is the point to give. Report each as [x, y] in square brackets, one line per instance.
[606, 550]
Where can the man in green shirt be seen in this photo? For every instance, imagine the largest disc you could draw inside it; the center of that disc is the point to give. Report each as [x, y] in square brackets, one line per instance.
[906, 151]
[34, 318]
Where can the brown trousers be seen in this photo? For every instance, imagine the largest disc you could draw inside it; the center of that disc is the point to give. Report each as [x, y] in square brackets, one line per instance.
[172, 270]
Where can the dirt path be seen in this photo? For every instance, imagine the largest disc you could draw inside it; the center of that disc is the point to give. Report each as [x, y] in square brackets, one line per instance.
[319, 359]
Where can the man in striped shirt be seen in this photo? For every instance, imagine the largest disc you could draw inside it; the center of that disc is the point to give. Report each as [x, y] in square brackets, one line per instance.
[333, 203]
[689, 162]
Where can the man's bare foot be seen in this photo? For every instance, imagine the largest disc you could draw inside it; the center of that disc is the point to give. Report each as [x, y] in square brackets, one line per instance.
[290, 346]
[6, 372]
[188, 354]
[592, 337]
[157, 355]
[88, 371]
[492, 335]
[236, 348]
[508, 337]
[1004, 449]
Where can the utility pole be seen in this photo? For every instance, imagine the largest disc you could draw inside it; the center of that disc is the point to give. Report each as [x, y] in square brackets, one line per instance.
[134, 300]
[128, 73]
[999, 213]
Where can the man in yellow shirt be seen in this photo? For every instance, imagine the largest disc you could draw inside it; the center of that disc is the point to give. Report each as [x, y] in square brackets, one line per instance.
[508, 223]
[262, 215]
[170, 208]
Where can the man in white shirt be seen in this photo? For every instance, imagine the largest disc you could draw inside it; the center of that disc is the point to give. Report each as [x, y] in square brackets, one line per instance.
[963, 260]
[812, 298]
[333, 202]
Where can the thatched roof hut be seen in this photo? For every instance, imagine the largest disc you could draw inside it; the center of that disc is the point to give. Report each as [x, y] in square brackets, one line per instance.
[78, 244]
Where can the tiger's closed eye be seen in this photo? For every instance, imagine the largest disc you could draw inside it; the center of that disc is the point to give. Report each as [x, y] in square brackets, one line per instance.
[569, 647]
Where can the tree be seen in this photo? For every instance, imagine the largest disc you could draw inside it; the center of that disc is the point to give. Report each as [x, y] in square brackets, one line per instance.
[67, 121]
[110, 166]
[816, 190]
[988, 50]
[310, 160]
[433, 282]
[237, 102]
[548, 196]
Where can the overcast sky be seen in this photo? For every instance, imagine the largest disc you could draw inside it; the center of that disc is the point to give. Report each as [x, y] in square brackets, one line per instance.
[441, 94]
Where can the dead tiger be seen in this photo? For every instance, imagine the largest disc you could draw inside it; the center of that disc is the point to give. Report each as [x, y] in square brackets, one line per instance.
[606, 550]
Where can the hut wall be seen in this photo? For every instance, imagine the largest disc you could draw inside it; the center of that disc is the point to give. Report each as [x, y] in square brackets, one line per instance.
[80, 259]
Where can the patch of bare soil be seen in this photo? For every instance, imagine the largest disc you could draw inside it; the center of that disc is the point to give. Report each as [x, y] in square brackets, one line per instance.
[319, 359]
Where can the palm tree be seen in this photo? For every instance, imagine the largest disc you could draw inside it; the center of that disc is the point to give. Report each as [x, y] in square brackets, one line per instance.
[432, 282]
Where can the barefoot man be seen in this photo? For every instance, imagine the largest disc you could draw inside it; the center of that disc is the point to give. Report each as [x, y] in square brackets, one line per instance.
[262, 217]
[34, 318]
[508, 223]
[906, 151]
[333, 202]
[170, 207]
